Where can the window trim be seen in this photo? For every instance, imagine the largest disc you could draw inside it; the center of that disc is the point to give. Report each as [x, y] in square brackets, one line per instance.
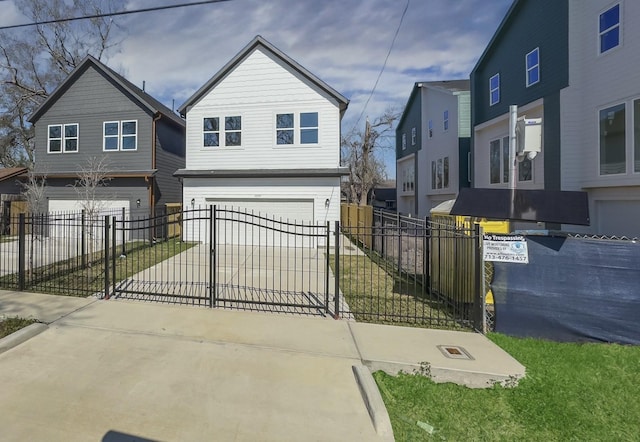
[496, 89]
[316, 128]
[119, 137]
[63, 138]
[445, 120]
[404, 141]
[204, 132]
[619, 25]
[626, 156]
[222, 131]
[529, 69]
[413, 136]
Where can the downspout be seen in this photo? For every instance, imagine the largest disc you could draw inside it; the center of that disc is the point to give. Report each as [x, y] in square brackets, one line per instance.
[152, 202]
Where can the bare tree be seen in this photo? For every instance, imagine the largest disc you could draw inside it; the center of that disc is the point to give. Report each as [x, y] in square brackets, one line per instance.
[34, 62]
[91, 177]
[33, 191]
[361, 155]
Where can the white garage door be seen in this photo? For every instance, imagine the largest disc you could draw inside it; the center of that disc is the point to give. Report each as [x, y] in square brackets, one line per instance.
[67, 217]
[281, 226]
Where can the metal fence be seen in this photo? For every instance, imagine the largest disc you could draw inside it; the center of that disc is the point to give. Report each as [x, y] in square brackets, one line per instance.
[392, 269]
[412, 271]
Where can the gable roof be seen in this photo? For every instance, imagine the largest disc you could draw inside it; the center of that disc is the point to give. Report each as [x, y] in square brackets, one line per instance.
[452, 86]
[260, 42]
[147, 101]
[11, 172]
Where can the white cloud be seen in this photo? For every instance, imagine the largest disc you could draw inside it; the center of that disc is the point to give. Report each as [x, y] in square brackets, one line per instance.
[9, 14]
[344, 42]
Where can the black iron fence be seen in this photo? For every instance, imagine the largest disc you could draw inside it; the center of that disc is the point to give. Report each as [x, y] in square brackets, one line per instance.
[412, 271]
[391, 270]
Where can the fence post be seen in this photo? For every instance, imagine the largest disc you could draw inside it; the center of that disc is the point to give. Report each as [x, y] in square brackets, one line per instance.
[114, 248]
[336, 298]
[399, 242]
[327, 269]
[212, 255]
[106, 257]
[478, 304]
[83, 240]
[21, 251]
[124, 249]
[426, 252]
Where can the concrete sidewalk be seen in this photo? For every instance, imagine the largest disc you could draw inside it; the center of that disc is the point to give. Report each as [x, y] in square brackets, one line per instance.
[166, 372]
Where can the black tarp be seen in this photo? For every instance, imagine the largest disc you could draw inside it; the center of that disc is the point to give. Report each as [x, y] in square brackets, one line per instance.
[572, 290]
[552, 206]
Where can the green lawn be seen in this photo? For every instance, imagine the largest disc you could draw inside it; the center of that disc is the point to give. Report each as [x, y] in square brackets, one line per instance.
[572, 392]
[375, 292]
[70, 278]
[11, 325]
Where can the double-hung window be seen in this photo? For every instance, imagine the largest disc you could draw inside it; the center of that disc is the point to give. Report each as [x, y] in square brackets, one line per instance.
[609, 29]
[532, 61]
[430, 126]
[413, 136]
[120, 135]
[404, 141]
[499, 164]
[229, 135]
[494, 90]
[305, 132]
[63, 138]
[309, 128]
[613, 137]
[445, 121]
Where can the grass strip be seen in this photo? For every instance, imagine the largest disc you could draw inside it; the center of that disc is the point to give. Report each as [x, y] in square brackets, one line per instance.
[13, 324]
[581, 392]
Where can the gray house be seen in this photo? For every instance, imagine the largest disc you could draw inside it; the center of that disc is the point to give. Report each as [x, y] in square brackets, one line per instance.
[96, 114]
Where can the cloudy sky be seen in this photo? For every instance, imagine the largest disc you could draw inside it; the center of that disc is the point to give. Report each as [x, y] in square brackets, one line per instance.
[343, 42]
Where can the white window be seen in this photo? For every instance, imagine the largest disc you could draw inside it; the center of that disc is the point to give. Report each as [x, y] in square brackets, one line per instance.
[284, 129]
[440, 173]
[309, 128]
[613, 158]
[445, 120]
[120, 135]
[494, 90]
[404, 141]
[213, 135]
[532, 61]
[63, 138]
[413, 136]
[430, 126]
[306, 132]
[499, 169]
[609, 29]
[211, 132]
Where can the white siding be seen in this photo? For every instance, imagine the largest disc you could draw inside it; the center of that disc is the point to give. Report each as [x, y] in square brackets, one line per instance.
[279, 195]
[499, 128]
[443, 144]
[597, 81]
[257, 89]
[405, 172]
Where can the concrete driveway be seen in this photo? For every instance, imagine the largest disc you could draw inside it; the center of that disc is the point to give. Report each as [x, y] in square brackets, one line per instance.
[119, 370]
[276, 279]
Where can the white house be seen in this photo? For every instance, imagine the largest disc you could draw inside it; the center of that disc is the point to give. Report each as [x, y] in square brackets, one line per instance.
[432, 145]
[263, 135]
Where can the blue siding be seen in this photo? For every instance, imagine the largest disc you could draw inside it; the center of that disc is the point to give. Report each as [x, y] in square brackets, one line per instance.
[532, 23]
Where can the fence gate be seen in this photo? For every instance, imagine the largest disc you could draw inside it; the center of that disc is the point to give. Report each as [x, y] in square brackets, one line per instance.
[223, 257]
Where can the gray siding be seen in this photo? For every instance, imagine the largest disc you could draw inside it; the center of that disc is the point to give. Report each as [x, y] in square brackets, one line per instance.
[539, 23]
[170, 156]
[552, 142]
[130, 189]
[10, 187]
[90, 101]
[411, 117]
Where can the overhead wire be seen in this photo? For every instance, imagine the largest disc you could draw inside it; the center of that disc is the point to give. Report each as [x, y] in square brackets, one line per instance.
[384, 65]
[110, 14]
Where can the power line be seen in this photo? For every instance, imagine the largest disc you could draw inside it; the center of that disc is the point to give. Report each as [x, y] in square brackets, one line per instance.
[384, 65]
[110, 14]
